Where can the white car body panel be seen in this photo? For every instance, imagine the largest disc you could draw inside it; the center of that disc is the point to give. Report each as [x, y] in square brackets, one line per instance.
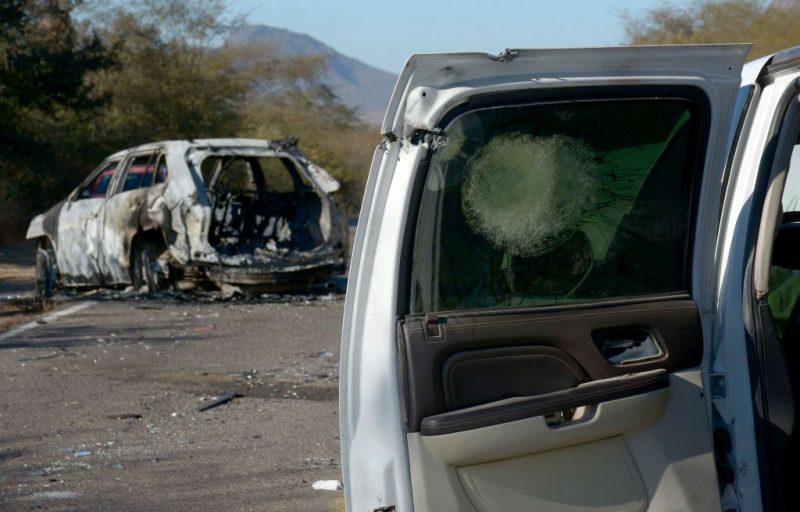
[36, 227]
[729, 357]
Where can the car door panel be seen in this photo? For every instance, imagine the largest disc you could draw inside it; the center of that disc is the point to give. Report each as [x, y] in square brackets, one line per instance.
[657, 436]
[560, 480]
[120, 224]
[77, 247]
[510, 369]
[126, 213]
[503, 405]
[550, 350]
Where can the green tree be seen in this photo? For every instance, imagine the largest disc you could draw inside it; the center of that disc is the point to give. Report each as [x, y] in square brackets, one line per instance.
[79, 81]
[45, 65]
[770, 26]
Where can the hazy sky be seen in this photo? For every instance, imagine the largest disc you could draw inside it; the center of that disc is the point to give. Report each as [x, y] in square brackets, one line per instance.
[384, 34]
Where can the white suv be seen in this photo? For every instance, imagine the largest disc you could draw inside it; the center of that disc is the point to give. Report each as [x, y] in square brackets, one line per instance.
[574, 285]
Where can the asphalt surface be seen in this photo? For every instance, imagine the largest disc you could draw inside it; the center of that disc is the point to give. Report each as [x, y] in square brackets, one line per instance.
[99, 407]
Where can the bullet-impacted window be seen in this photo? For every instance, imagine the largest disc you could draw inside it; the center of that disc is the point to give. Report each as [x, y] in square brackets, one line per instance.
[560, 202]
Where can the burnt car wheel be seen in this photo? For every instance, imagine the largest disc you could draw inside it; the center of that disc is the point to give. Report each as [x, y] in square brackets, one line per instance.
[147, 273]
[45, 272]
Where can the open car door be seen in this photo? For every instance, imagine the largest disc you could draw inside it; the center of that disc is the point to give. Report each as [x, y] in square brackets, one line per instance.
[524, 325]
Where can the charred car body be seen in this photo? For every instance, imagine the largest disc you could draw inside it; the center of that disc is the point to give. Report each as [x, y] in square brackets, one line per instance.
[230, 211]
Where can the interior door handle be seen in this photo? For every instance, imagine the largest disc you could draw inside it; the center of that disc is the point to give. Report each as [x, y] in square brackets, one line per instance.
[627, 345]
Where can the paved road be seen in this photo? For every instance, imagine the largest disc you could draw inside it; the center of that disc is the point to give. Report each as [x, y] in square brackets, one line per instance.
[98, 410]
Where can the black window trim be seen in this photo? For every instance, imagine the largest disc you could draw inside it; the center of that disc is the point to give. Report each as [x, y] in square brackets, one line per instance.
[697, 98]
[297, 172]
[160, 155]
[75, 196]
[122, 176]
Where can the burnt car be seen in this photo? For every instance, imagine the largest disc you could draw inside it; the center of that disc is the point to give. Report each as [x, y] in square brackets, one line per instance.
[242, 212]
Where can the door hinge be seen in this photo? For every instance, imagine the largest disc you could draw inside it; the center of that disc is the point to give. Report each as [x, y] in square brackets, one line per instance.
[719, 386]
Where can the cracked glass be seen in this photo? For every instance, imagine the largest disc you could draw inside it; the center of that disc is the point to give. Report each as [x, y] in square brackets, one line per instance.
[556, 203]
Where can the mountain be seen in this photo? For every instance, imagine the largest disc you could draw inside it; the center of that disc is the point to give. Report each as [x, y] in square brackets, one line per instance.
[360, 86]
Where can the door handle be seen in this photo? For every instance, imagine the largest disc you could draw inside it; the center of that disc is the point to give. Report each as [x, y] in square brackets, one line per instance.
[627, 345]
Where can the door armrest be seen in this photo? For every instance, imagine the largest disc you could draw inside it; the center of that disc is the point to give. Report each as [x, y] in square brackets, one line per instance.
[519, 408]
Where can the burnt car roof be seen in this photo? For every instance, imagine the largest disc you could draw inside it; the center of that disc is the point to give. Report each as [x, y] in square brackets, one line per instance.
[289, 144]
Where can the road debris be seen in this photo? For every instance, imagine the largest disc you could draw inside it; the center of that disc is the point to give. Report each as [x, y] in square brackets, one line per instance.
[125, 416]
[55, 494]
[218, 400]
[59, 466]
[327, 485]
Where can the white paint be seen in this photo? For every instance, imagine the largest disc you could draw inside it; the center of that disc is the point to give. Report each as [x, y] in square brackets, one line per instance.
[47, 319]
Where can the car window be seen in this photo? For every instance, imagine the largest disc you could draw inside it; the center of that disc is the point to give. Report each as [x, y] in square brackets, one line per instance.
[791, 192]
[98, 186]
[278, 177]
[236, 175]
[140, 172]
[208, 167]
[784, 274]
[554, 203]
[162, 173]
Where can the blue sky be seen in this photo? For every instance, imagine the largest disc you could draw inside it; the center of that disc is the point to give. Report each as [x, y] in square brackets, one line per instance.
[384, 34]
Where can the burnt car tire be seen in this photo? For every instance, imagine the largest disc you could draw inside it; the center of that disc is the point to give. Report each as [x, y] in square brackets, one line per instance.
[46, 272]
[146, 272]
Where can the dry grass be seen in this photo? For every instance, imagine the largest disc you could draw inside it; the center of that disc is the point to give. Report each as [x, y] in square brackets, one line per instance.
[17, 281]
[338, 505]
[17, 311]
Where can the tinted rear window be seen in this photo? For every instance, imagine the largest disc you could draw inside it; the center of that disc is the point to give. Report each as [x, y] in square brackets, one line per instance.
[553, 203]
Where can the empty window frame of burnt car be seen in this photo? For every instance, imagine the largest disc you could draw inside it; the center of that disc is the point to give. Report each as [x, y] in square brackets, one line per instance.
[271, 223]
